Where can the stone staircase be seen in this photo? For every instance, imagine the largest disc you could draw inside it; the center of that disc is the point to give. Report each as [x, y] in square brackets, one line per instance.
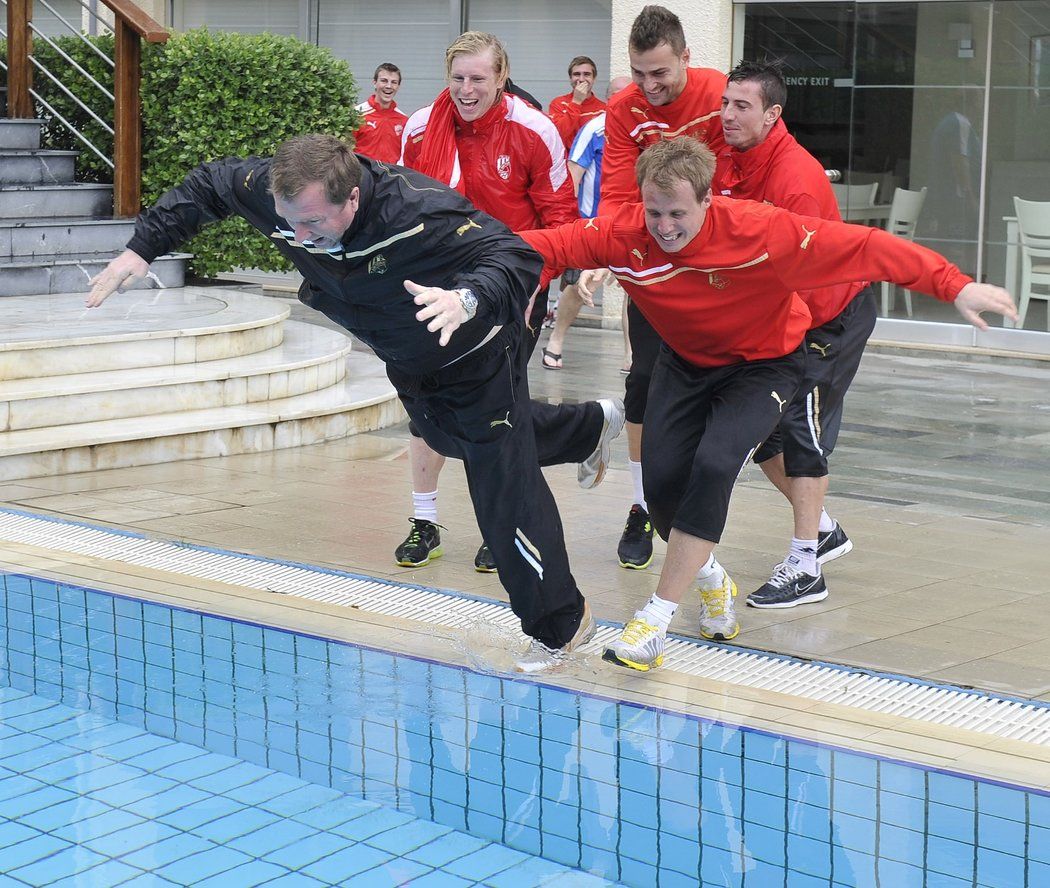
[174, 374]
[148, 377]
[56, 233]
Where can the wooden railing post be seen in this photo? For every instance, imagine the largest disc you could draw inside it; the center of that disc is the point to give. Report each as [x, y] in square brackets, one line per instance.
[127, 136]
[19, 46]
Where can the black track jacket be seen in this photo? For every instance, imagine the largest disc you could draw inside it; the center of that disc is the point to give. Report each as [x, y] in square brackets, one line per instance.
[408, 226]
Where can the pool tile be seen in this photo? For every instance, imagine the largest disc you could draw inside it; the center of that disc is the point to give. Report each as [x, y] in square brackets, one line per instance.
[379, 821]
[294, 880]
[336, 812]
[166, 802]
[272, 838]
[446, 849]
[64, 813]
[534, 871]
[347, 862]
[393, 873]
[131, 838]
[239, 823]
[35, 800]
[83, 831]
[306, 851]
[12, 833]
[300, 800]
[31, 850]
[441, 879]
[248, 875]
[65, 863]
[127, 791]
[485, 862]
[408, 837]
[109, 872]
[264, 788]
[169, 850]
[192, 869]
[200, 812]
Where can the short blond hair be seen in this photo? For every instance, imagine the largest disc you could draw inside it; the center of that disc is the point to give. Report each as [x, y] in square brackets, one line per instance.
[475, 43]
[665, 164]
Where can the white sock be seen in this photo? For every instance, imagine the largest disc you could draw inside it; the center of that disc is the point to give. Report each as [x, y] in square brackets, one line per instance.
[658, 612]
[827, 523]
[425, 506]
[712, 575]
[636, 478]
[803, 555]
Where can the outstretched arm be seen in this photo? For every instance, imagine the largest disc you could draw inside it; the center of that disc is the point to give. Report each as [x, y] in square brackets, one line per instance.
[975, 298]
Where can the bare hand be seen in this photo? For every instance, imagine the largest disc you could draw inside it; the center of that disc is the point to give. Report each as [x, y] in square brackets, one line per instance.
[443, 308]
[975, 298]
[119, 275]
[589, 283]
[581, 91]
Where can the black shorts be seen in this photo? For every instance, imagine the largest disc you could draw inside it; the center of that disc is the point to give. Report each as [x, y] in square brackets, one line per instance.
[810, 426]
[702, 425]
[645, 346]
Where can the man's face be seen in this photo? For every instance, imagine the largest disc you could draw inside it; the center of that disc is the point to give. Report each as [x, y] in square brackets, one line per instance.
[314, 219]
[659, 73]
[582, 73]
[386, 85]
[473, 84]
[674, 218]
[745, 123]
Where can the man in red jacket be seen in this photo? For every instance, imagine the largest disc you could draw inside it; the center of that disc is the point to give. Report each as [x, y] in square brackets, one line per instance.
[379, 135]
[763, 162]
[718, 280]
[572, 110]
[509, 161]
[668, 100]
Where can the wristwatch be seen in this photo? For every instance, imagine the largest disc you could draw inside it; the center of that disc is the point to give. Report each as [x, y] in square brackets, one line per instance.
[469, 302]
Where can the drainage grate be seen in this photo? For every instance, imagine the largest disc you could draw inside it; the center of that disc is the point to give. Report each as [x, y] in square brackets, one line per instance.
[969, 710]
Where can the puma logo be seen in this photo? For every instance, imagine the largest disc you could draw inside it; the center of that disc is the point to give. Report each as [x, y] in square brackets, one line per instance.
[823, 349]
[591, 223]
[638, 253]
[807, 238]
[498, 422]
[466, 226]
[780, 401]
[248, 180]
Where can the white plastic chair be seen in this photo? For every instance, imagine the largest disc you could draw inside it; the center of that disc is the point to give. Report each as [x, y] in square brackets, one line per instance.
[1033, 225]
[904, 213]
[854, 196]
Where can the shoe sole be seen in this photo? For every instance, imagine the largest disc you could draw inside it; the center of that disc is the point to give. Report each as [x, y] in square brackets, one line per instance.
[721, 636]
[610, 657]
[485, 570]
[629, 566]
[805, 599]
[434, 553]
[837, 552]
[605, 450]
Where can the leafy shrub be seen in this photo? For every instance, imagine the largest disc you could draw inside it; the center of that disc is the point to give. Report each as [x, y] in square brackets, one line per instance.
[205, 95]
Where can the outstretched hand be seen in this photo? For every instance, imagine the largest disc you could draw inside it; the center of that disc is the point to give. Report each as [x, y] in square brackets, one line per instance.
[975, 298]
[442, 308]
[120, 274]
[590, 280]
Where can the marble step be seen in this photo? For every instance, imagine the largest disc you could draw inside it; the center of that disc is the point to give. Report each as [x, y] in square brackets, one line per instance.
[72, 273]
[44, 201]
[364, 401]
[56, 335]
[36, 167]
[48, 238]
[309, 359]
[19, 133]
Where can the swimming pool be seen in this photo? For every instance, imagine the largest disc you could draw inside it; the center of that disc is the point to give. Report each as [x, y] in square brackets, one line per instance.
[142, 742]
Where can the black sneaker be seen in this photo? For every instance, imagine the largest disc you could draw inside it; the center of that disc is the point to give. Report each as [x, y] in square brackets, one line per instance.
[484, 563]
[636, 545]
[787, 587]
[832, 544]
[422, 544]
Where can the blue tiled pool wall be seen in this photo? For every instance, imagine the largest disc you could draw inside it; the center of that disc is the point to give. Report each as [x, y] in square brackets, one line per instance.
[635, 795]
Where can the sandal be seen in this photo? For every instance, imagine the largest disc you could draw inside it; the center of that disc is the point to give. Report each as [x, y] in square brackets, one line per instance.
[555, 359]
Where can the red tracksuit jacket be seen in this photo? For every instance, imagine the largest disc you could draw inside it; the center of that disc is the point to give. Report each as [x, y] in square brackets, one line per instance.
[379, 136]
[730, 295]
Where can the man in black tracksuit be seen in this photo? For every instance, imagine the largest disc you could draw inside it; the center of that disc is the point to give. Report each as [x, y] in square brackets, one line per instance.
[375, 242]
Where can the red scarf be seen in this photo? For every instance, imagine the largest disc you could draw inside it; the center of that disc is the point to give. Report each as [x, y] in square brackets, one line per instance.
[438, 155]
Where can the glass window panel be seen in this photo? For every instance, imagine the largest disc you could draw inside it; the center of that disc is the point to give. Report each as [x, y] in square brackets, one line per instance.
[245, 16]
[365, 34]
[542, 37]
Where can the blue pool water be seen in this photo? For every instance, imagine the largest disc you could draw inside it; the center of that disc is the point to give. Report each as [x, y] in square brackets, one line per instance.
[145, 745]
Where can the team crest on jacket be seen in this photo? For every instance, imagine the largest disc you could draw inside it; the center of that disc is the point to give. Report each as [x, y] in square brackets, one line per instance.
[377, 264]
[503, 166]
[398, 129]
[717, 281]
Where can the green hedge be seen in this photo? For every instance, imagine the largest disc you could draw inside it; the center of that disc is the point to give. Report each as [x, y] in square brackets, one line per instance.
[206, 95]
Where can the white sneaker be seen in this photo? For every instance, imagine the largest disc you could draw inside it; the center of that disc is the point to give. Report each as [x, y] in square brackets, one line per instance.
[592, 470]
[640, 645]
[718, 610]
[537, 657]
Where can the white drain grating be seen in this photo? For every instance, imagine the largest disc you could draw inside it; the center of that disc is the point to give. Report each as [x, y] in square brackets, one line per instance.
[1011, 719]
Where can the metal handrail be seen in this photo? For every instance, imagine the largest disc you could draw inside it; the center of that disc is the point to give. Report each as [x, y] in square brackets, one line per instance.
[71, 61]
[71, 94]
[76, 31]
[73, 129]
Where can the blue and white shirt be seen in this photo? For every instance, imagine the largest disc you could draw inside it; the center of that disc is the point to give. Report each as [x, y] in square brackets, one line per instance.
[587, 149]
